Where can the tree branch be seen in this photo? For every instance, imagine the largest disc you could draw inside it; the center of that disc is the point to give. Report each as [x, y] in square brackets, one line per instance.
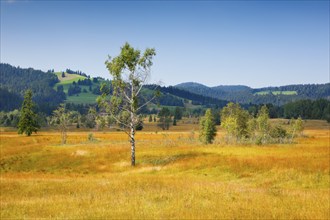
[146, 103]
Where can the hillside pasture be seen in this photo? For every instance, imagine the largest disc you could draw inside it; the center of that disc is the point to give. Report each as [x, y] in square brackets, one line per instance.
[176, 176]
[82, 98]
[276, 93]
[69, 78]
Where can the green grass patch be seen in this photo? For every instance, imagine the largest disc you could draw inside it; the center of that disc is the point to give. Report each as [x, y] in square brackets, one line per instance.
[276, 93]
[82, 98]
[68, 79]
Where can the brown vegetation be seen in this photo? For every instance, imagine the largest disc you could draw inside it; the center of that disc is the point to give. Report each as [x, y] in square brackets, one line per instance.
[175, 176]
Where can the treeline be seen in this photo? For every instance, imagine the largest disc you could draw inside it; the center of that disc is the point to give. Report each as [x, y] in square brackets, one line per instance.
[76, 72]
[93, 87]
[14, 81]
[11, 118]
[313, 91]
[246, 95]
[306, 109]
[195, 98]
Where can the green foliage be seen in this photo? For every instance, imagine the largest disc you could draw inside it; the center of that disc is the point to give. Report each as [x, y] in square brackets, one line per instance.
[274, 95]
[14, 81]
[90, 119]
[91, 137]
[308, 109]
[139, 125]
[62, 119]
[207, 128]
[130, 71]
[100, 122]
[9, 119]
[296, 127]
[279, 133]
[28, 122]
[234, 120]
[178, 113]
[256, 130]
[263, 126]
[164, 118]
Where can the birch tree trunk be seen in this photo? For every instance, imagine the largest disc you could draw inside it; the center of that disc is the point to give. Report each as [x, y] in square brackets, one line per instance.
[132, 146]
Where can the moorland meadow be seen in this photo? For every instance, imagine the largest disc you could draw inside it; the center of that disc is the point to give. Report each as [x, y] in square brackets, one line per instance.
[175, 175]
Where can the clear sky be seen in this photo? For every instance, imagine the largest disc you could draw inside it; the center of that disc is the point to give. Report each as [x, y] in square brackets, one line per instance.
[261, 43]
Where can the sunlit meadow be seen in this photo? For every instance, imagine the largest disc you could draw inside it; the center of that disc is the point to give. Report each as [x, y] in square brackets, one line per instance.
[176, 177]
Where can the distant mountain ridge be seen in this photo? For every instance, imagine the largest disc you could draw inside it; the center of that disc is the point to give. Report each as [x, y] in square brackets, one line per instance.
[274, 95]
[51, 88]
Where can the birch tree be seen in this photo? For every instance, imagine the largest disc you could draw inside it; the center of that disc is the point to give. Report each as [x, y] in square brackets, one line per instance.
[130, 71]
[62, 120]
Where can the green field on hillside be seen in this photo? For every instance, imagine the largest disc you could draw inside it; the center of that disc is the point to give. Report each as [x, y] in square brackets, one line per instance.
[82, 98]
[277, 93]
[68, 79]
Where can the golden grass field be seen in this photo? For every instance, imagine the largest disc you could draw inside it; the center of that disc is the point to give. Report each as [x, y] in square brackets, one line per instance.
[176, 177]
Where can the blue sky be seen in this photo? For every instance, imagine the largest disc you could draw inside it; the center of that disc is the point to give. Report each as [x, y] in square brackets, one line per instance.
[261, 43]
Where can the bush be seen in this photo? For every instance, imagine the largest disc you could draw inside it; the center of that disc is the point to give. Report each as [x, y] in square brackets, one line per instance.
[90, 137]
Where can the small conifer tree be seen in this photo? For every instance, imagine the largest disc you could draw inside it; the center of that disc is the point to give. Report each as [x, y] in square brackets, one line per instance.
[28, 121]
[207, 128]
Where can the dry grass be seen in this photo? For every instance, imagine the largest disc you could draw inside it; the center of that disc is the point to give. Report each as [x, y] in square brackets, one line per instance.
[175, 177]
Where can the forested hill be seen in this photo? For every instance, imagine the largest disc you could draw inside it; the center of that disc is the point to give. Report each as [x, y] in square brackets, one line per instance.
[274, 95]
[196, 99]
[14, 81]
[50, 89]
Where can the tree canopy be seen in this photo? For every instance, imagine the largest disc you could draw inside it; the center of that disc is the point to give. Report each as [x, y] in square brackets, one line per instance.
[130, 71]
[28, 120]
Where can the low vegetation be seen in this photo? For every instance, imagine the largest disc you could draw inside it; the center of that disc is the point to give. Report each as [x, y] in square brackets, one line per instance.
[176, 176]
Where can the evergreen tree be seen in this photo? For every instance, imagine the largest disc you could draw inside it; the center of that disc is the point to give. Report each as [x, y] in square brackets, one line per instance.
[164, 118]
[207, 128]
[178, 113]
[174, 121]
[28, 121]
[150, 118]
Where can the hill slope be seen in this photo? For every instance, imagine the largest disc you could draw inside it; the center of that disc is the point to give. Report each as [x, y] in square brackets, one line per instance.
[245, 95]
[68, 78]
[88, 87]
[14, 81]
